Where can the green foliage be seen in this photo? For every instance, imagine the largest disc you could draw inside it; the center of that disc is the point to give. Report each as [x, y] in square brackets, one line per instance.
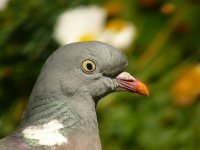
[165, 44]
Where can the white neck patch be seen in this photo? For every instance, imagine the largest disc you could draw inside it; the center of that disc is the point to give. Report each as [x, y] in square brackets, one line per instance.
[46, 134]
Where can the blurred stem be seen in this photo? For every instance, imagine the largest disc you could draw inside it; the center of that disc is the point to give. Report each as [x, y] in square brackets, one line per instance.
[162, 36]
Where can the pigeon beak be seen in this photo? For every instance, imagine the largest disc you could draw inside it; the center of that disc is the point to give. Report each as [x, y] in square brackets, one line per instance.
[129, 83]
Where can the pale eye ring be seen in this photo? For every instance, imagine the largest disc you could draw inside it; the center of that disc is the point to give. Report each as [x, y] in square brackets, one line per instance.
[88, 66]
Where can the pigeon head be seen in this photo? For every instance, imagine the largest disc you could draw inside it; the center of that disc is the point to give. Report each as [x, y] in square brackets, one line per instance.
[90, 68]
[61, 109]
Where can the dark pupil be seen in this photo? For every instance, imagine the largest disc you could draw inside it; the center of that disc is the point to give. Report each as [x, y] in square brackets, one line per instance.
[89, 66]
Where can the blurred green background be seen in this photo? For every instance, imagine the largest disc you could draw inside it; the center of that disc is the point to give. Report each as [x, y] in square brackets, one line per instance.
[164, 53]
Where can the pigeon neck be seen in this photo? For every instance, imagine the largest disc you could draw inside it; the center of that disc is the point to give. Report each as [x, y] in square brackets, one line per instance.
[67, 110]
[73, 117]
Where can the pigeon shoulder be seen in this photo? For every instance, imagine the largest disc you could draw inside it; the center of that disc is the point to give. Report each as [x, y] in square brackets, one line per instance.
[13, 143]
[9, 143]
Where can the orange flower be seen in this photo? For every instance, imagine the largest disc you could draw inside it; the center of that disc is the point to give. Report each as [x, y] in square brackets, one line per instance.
[114, 7]
[167, 8]
[186, 88]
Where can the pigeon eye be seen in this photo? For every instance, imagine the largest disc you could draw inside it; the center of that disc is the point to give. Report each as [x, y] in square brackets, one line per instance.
[88, 66]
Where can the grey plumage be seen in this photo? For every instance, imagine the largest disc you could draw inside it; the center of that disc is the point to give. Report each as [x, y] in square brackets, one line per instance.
[66, 93]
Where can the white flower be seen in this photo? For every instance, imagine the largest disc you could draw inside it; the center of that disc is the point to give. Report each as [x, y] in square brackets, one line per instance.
[3, 4]
[120, 37]
[78, 23]
[89, 23]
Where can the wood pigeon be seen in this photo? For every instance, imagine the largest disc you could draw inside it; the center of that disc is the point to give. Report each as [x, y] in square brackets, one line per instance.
[61, 114]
